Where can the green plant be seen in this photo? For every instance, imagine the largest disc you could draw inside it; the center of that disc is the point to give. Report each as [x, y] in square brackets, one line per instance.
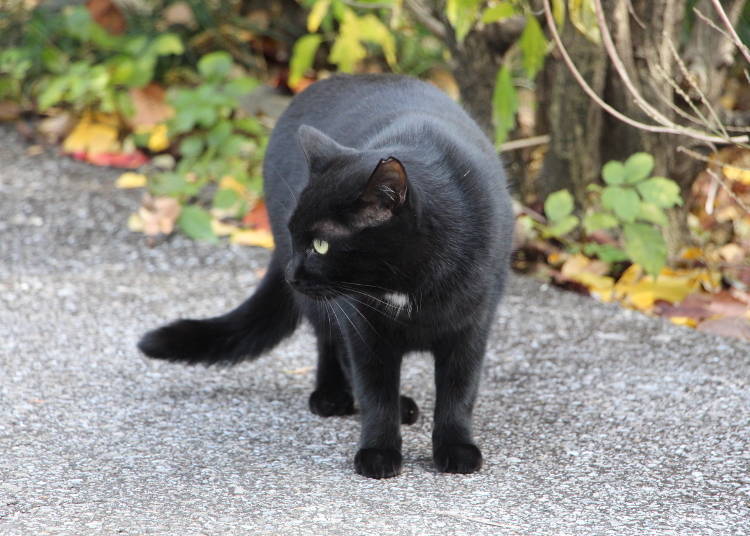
[632, 207]
[68, 59]
[221, 152]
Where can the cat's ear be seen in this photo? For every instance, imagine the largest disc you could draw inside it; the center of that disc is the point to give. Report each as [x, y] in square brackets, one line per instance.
[319, 149]
[385, 191]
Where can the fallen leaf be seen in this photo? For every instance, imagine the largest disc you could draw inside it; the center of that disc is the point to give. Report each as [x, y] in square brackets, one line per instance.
[223, 229]
[34, 150]
[108, 15]
[179, 13]
[56, 127]
[684, 321]
[93, 135]
[131, 180]
[151, 108]
[252, 237]
[158, 140]
[131, 160]
[9, 110]
[159, 215]
[257, 217]
[730, 326]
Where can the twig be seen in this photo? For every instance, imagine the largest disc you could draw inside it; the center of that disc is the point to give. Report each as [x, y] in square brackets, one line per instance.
[728, 25]
[614, 112]
[712, 24]
[706, 159]
[696, 87]
[728, 190]
[423, 16]
[524, 143]
[609, 46]
[481, 520]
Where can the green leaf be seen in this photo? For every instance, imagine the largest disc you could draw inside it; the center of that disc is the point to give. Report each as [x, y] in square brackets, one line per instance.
[170, 184]
[534, 47]
[558, 12]
[53, 92]
[225, 198]
[651, 213]
[303, 55]
[167, 43]
[317, 13]
[196, 223]
[613, 172]
[583, 16]
[606, 252]
[558, 205]
[215, 65]
[240, 86]
[645, 245]
[504, 104]
[219, 133]
[623, 201]
[638, 167]
[498, 12]
[562, 226]
[593, 221]
[462, 14]
[371, 29]
[660, 191]
[191, 146]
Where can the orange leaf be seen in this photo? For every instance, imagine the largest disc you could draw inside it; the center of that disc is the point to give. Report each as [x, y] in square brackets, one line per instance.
[108, 15]
[251, 237]
[150, 105]
[257, 218]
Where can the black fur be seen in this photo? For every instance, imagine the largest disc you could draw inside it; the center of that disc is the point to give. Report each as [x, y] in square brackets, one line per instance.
[409, 200]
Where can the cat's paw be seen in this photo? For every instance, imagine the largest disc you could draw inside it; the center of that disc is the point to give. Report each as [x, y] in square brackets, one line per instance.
[462, 458]
[378, 463]
[330, 403]
[409, 410]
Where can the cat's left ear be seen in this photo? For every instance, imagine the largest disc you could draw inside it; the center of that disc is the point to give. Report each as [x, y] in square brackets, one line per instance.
[386, 189]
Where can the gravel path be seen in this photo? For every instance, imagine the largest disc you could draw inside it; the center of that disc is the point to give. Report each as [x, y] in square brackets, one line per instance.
[593, 420]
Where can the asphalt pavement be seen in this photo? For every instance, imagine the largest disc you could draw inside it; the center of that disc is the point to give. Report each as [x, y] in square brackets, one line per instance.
[593, 420]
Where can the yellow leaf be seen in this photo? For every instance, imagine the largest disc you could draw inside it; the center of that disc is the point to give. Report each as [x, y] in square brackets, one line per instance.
[222, 229]
[583, 16]
[627, 279]
[131, 180]
[318, 11]
[259, 237]
[135, 223]
[734, 173]
[158, 140]
[691, 254]
[683, 321]
[93, 135]
[600, 286]
[645, 292]
[230, 183]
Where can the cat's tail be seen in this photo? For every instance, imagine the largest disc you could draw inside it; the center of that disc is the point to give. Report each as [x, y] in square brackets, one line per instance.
[257, 325]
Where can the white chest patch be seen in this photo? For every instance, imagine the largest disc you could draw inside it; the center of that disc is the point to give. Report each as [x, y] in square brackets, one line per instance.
[398, 301]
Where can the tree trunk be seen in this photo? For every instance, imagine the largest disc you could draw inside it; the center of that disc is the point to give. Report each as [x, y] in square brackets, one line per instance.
[573, 120]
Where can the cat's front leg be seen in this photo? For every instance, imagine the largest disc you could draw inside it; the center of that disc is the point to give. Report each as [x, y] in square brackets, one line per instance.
[376, 372]
[458, 364]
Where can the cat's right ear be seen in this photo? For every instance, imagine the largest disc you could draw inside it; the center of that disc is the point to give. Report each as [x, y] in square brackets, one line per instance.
[319, 149]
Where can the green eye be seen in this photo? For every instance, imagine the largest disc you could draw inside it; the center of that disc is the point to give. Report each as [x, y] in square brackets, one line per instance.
[320, 246]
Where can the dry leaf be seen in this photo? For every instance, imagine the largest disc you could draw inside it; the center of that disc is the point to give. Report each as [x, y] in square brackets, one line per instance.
[158, 140]
[730, 326]
[151, 108]
[159, 215]
[252, 237]
[94, 134]
[222, 229]
[179, 13]
[56, 127]
[131, 180]
[9, 110]
[108, 15]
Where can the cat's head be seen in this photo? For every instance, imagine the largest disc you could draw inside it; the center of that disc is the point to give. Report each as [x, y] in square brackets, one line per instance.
[352, 222]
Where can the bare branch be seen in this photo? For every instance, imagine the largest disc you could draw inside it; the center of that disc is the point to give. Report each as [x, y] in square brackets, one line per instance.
[666, 129]
[524, 143]
[424, 17]
[728, 25]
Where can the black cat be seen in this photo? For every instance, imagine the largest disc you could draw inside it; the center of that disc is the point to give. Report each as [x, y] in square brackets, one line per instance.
[393, 226]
